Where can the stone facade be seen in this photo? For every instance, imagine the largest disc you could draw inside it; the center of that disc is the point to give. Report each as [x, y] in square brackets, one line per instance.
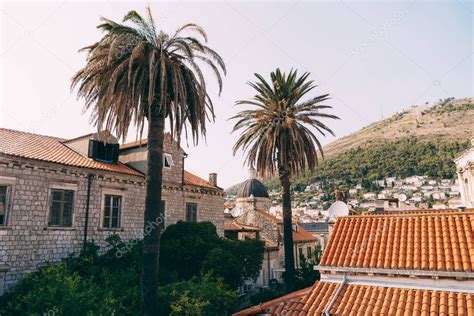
[26, 241]
[27, 238]
[179, 186]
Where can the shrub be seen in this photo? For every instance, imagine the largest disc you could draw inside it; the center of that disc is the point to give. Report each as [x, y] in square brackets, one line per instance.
[92, 284]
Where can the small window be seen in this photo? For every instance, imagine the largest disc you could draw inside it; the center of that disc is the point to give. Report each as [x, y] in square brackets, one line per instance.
[61, 208]
[112, 211]
[191, 212]
[4, 198]
[308, 251]
[168, 161]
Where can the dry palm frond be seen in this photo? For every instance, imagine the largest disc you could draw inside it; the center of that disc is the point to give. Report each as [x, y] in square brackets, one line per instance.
[134, 66]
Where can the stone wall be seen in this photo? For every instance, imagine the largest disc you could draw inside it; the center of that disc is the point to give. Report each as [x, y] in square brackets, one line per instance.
[210, 205]
[136, 157]
[271, 261]
[26, 241]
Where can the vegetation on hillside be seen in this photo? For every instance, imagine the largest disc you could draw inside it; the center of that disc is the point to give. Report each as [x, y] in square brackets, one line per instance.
[401, 158]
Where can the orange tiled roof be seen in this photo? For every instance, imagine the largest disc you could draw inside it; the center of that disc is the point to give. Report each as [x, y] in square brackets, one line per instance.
[192, 179]
[273, 218]
[357, 299]
[409, 212]
[441, 241]
[51, 149]
[230, 224]
[301, 235]
[277, 306]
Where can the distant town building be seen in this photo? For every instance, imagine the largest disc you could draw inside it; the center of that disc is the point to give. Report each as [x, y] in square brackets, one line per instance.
[465, 170]
[252, 210]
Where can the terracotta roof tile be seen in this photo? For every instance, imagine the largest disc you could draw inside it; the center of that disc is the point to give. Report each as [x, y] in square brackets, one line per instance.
[192, 179]
[277, 306]
[357, 299]
[51, 149]
[442, 241]
[231, 224]
[301, 234]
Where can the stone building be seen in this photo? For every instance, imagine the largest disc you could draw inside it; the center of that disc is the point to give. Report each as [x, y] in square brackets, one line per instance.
[186, 196]
[56, 193]
[465, 171]
[252, 210]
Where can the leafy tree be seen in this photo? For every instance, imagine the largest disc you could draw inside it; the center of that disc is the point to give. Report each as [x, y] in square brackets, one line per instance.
[402, 158]
[278, 135]
[235, 261]
[191, 249]
[185, 247]
[198, 296]
[136, 73]
[306, 275]
[92, 284]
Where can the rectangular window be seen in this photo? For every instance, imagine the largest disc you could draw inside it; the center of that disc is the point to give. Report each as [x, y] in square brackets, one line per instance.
[191, 212]
[4, 197]
[167, 160]
[112, 211]
[308, 251]
[61, 208]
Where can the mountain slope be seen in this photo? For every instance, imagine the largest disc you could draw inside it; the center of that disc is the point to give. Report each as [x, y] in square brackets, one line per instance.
[447, 120]
[421, 139]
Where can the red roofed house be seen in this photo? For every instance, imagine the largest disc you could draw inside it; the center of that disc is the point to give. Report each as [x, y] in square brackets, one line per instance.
[56, 193]
[419, 263]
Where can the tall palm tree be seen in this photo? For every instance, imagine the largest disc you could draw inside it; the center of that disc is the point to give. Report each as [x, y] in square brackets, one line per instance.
[136, 73]
[279, 139]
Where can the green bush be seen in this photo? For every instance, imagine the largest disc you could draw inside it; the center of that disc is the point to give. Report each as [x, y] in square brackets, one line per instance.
[199, 296]
[92, 284]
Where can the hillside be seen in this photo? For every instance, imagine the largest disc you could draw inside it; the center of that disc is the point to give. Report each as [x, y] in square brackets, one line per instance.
[447, 120]
[420, 140]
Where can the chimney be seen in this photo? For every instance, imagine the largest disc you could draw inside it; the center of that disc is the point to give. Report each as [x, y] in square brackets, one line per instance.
[213, 179]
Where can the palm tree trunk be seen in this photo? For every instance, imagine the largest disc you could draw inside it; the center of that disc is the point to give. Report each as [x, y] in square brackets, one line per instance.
[153, 212]
[287, 231]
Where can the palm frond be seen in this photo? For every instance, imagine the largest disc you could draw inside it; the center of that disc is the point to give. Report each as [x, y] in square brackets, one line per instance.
[279, 132]
[134, 66]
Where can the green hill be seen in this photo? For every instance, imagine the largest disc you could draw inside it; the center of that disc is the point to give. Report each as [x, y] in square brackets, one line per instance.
[422, 140]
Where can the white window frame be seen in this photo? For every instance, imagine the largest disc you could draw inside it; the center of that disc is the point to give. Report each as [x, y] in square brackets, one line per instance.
[8, 182]
[64, 187]
[168, 158]
[112, 192]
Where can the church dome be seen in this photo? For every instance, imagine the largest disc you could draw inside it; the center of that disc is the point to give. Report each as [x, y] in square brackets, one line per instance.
[252, 187]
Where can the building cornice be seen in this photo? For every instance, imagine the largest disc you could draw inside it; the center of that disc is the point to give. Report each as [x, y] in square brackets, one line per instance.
[466, 286]
[398, 272]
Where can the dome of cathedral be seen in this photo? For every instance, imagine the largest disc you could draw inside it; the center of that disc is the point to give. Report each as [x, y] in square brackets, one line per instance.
[252, 187]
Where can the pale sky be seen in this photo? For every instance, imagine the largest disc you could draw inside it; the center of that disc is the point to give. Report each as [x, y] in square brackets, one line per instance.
[373, 58]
